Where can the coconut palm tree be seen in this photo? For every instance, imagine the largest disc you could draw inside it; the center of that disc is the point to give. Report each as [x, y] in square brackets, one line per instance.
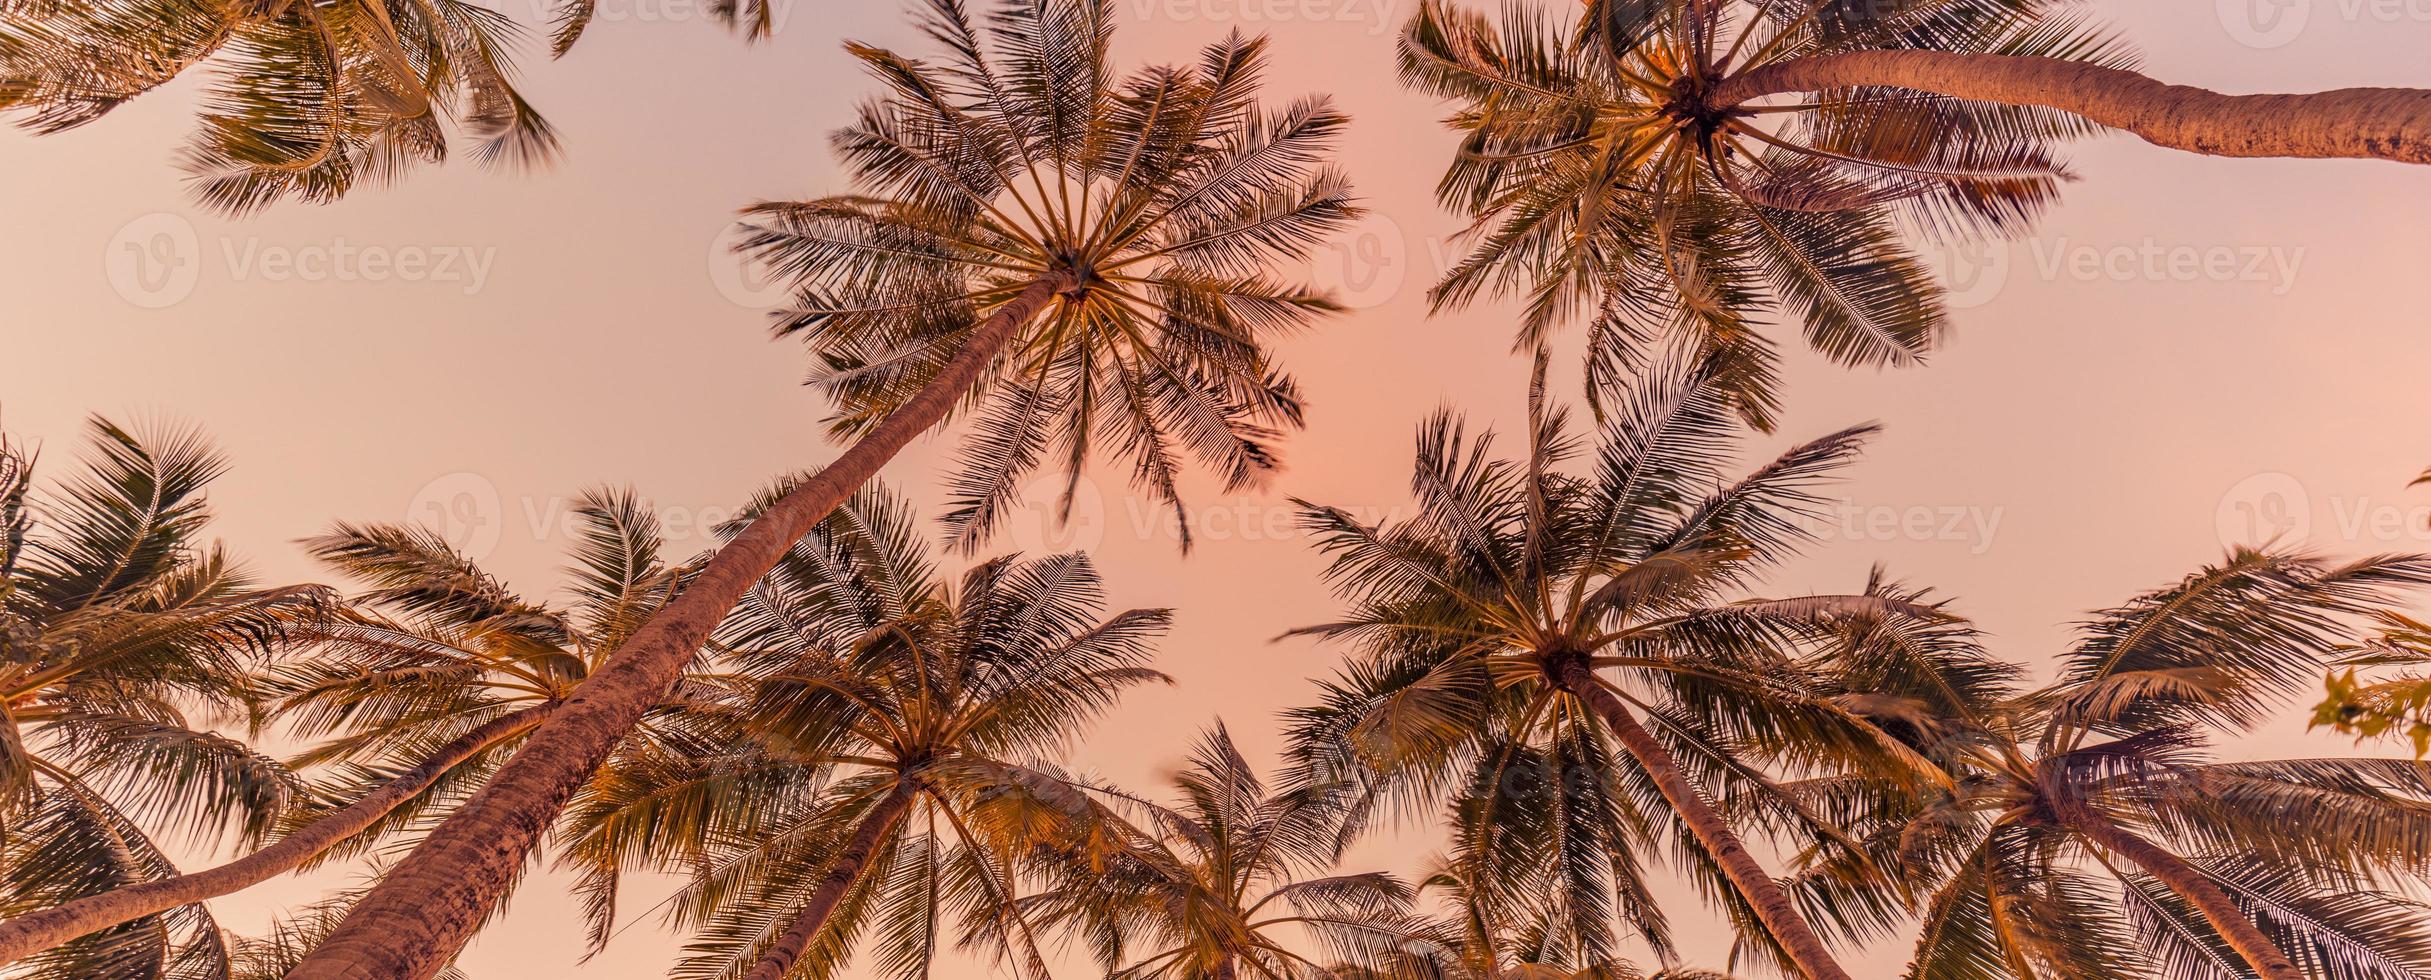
[2089, 828]
[1524, 623]
[1637, 170]
[879, 774]
[1483, 935]
[269, 956]
[1081, 259]
[126, 643]
[1230, 881]
[307, 99]
[416, 695]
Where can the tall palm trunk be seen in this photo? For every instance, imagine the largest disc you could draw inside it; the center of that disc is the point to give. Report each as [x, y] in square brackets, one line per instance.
[2191, 884]
[422, 913]
[781, 955]
[34, 932]
[1773, 906]
[2382, 123]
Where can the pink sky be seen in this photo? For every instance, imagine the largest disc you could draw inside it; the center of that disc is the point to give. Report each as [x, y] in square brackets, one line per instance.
[2190, 352]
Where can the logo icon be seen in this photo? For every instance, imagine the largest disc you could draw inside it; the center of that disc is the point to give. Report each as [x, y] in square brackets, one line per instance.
[1031, 522]
[2264, 24]
[742, 280]
[1973, 272]
[463, 508]
[1365, 266]
[153, 260]
[2263, 509]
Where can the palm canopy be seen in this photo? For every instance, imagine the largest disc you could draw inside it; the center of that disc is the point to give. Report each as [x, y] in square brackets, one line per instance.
[126, 643]
[1524, 619]
[307, 100]
[891, 723]
[436, 650]
[1231, 880]
[1485, 935]
[2091, 828]
[1151, 205]
[1606, 181]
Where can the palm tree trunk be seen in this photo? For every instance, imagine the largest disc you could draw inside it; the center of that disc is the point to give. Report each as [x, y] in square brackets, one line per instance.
[1772, 904]
[2382, 123]
[422, 913]
[34, 932]
[781, 955]
[2191, 884]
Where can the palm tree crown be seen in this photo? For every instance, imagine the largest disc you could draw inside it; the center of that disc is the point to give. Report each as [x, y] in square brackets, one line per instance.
[1526, 618]
[2088, 828]
[436, 650]
[1149, 208]
[1605, 178]
[1232, 881]
[876, 771]
[126, 642]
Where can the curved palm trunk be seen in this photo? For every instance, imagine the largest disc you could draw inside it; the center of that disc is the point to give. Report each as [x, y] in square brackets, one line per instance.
[2381, 123]
[1772, 904]
[781, 955]
[34, 932]
[2191, 884]
[419, 916]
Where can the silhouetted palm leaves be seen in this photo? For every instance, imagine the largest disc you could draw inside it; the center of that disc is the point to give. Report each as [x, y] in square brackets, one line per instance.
[1606, 183]
[2084, 822]
[126, 646]
[1158, 206]
[1559, 657]
[888, 726]
[1231, 881]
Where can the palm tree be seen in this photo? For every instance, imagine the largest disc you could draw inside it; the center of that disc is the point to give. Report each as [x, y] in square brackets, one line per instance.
[1524, 621]
[1484, 935]
[126, 642]
[1080, 258]
[413, 709]
[1637, 171]
[2087, 829]
[307, 99]
[1231, 881]
[270, 955]
[877, 774]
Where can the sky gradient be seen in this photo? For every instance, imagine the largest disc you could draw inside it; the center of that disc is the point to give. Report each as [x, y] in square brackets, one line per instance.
[2189, 353]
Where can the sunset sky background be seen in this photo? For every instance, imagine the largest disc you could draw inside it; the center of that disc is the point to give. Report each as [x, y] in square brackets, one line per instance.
[2190, 353]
